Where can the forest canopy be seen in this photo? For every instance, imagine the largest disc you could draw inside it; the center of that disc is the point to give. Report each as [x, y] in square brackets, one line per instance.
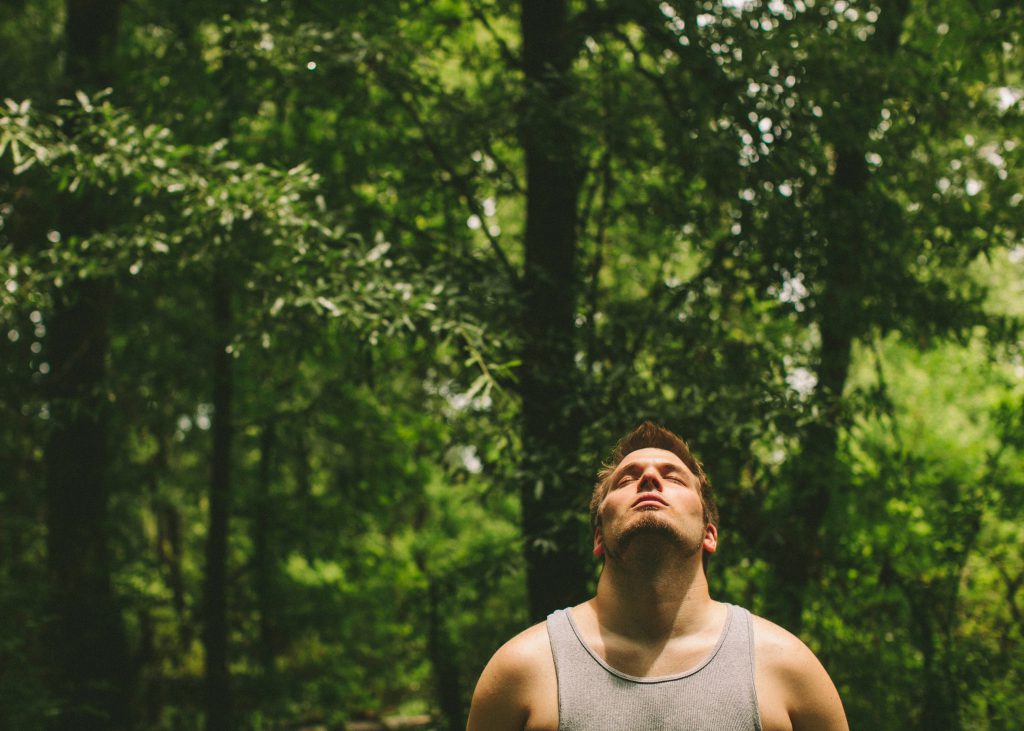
[319, 318]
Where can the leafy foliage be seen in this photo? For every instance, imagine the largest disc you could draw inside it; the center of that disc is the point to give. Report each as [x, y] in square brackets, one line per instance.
[796, 241]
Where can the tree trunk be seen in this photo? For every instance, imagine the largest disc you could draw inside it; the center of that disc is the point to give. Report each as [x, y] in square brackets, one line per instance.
[93, 672]
[817, 472]
[939, 702]
[447, 680]
[552, 495]
[170, 529]
[91, 654]
[215, 628]
[264, 572]
[91, 28]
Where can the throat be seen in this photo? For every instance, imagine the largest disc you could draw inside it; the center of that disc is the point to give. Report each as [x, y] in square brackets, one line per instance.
[652, 605]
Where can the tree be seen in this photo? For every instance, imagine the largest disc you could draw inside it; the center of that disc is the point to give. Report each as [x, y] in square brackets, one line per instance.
[95, 670]
[437, 257]
[555, 572]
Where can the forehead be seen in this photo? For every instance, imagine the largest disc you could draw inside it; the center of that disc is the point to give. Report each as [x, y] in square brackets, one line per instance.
[642, 458]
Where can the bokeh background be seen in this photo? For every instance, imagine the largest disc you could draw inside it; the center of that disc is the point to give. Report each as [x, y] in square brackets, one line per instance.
[318, 319]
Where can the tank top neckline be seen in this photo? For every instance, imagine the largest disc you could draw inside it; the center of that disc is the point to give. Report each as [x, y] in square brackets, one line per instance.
[729, 610]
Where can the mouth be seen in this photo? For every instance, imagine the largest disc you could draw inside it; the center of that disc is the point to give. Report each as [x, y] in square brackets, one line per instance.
[649, 500]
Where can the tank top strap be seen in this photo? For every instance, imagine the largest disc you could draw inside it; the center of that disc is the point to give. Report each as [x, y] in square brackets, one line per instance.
[567, 648]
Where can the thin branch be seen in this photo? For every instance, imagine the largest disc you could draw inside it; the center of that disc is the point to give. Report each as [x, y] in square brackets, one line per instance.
[459, 182]
[507, 54]
[508, 174]
[642, 331]
[600, 242]
[657, 81]
[596, 20]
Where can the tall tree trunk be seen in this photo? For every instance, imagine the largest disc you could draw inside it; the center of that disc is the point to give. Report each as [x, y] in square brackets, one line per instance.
[929, 633]
[169, 553]
[264, 572]
[91, 657]
[552, 494]
[168, 547]
[218, 701]
[91, 28]
[447, 680]
[817, 472]
[215, 628]
[91, 654]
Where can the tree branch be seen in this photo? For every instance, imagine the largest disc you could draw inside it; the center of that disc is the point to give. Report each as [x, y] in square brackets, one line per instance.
[459, 182]
[508, 55]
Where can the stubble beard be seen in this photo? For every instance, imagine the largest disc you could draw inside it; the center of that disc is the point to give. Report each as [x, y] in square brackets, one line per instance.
[656, 535]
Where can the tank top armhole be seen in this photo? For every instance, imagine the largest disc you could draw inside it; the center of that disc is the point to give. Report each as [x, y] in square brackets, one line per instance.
[749, 622]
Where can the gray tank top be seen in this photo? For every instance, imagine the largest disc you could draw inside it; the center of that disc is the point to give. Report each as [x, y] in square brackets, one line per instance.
[717, 695]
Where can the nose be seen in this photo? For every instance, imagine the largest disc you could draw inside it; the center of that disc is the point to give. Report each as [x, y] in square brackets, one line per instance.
[650, 480]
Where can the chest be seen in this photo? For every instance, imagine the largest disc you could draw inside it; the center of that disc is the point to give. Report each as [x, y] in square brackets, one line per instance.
[701, 681]
[651, 661]
[544, 715]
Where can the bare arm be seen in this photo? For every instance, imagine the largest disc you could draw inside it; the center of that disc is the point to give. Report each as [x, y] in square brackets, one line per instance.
[794, 690]
[516, 688]
[498, 701]
[816, 705]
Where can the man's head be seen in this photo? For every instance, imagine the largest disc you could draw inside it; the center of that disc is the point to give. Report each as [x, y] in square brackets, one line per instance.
[651, 436]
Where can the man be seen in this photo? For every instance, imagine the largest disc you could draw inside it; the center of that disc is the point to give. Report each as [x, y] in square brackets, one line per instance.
[652, 650]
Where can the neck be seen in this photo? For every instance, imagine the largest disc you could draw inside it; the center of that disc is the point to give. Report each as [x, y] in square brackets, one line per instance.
[645, 596]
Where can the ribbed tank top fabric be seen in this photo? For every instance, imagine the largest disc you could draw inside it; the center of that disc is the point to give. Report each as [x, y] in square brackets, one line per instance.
[716, 695]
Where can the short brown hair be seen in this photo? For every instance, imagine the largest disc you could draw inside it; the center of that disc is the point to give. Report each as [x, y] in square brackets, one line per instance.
[652, 436]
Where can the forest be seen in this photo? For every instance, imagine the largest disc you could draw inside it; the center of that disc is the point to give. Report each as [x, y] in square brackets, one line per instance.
[318, 319]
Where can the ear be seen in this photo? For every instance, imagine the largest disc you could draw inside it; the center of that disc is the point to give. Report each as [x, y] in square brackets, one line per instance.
[710, 543]
[598, 542]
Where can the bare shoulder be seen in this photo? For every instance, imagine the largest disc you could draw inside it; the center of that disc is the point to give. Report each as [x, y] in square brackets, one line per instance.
[524, 655]
[794, 689]
[513, 689]
[779, 648]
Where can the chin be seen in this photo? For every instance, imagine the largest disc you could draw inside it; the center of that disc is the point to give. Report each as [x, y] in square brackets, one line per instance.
[651, 526]
[650, 521]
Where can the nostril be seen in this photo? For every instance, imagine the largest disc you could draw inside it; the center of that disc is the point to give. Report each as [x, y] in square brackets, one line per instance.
[649, 483]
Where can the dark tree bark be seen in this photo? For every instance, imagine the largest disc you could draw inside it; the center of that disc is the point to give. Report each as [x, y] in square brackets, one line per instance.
[168, 546]
[215, 627]
[90, 650]
[447, 679]
[217, 679]
[169, 553]
[264, 572]
[91, 29]
[93, 672]
[930, 632]
[552, 495]
[817, 473]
